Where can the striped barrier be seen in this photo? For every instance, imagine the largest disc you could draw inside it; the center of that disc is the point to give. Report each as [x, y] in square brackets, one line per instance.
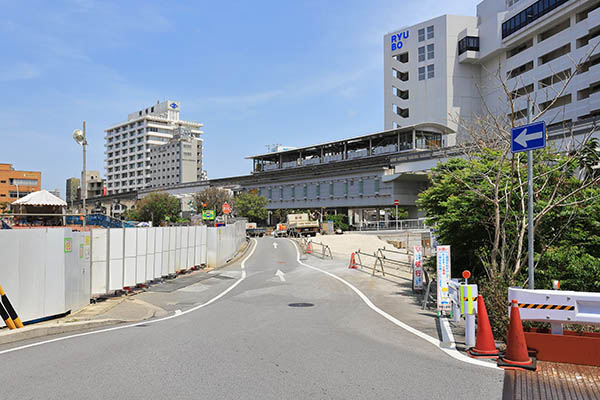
[10, 309]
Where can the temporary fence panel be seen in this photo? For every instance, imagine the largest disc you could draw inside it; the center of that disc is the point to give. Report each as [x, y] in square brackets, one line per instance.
[191, 246]
[199, 251]
[129, 251]
[158, 252]
[10, 266]
[178, 231]
[211, 248]
[150, 248]
[99, 273]
[183, 246]
[141, 251]
[54, 299]
[165, 251]
[115, 254]
[32, 270]
[172, 249]
[77, 273]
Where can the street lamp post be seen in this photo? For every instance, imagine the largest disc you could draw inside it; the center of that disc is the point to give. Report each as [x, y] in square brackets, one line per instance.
[79, 137]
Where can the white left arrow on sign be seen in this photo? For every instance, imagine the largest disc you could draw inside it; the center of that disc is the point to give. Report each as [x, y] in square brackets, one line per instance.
[523, 137]
[281, 275]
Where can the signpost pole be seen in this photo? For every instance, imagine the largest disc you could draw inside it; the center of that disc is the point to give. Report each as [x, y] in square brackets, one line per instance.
[530, 206]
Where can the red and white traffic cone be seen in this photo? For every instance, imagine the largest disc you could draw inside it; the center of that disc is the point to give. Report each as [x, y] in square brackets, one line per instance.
[516, 356]
[352, 262]
[309, 248]
[485, 347]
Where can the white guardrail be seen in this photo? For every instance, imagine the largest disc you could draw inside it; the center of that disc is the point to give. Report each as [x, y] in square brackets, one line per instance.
[50, 271]
[557, 306]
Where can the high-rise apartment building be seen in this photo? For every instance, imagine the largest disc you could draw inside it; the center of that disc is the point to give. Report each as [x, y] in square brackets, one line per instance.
[451, 67]
[178, 161]
[16, 184]
[128, 144]
[72, 190]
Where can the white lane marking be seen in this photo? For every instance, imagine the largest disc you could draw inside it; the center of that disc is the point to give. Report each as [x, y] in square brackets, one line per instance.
[178, 313]
[451, 352]
[274, 245]
[281, 275]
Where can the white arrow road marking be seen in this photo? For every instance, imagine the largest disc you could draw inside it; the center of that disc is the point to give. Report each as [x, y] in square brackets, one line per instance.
[522, 138]
[274, 245]
[281, 275]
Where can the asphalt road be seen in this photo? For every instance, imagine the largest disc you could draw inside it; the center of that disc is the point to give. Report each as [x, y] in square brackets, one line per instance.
[249, 344]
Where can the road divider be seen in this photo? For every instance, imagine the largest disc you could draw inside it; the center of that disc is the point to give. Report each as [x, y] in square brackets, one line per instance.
[10, 309]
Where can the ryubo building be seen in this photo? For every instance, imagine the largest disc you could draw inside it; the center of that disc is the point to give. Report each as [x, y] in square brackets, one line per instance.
[450, 68]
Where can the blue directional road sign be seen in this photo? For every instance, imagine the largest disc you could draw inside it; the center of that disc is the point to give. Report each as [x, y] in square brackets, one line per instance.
[529, 137]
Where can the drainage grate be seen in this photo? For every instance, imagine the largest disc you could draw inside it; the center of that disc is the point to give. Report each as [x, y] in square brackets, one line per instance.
[300, 304]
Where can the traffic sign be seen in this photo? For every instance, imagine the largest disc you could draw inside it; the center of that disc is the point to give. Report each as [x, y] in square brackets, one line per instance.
[396, 202]
[528, 137]
[226, 208]
[208, 214]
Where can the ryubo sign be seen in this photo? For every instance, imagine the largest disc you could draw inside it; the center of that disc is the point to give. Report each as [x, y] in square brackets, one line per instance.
[418, 267]
[443, 275]
[397, 40]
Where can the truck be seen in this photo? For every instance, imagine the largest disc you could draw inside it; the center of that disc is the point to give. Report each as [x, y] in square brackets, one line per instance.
[301, 225]
[253, 231]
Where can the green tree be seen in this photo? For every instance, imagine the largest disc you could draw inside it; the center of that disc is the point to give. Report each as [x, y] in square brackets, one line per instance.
[158, 208]
[251, 206]
[214, 198]
[340, 221]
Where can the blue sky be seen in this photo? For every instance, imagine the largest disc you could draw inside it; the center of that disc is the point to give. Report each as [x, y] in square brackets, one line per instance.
[254, 72]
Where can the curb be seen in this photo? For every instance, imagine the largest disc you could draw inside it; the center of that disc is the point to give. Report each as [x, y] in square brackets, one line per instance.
[32, 332]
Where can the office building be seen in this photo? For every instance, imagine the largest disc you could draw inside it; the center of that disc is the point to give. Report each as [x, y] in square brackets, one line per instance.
[178, 161]
[448, 68]
[16, 184]
[128, 145]
[72, 190]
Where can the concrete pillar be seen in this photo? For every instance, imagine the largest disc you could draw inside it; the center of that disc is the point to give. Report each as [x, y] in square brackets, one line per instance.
[414, 139]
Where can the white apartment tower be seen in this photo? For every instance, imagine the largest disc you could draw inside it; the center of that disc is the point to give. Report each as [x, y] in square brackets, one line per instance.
[448, 67]
[128, 144]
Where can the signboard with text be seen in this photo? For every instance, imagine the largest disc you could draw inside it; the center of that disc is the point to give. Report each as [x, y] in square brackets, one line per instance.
[443, 277]
[418, 267]
[208, 215]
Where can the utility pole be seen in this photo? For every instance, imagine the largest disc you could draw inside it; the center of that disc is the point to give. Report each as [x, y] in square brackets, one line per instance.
[530, 205]
[83, 179]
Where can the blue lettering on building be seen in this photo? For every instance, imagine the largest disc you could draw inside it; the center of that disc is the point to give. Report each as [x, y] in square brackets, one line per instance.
[397, 40]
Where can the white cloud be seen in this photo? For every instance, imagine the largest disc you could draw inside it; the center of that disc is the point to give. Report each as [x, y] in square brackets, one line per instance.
[19, 71]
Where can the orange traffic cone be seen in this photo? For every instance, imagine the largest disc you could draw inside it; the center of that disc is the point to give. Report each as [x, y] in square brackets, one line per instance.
[309, 248]
[352, 262]
[485, 347]
[516, 356]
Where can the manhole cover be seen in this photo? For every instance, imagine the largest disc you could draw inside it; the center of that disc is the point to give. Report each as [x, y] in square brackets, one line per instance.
[300, 304]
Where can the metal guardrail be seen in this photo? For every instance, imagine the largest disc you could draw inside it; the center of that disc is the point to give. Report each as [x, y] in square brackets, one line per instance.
[400, 225]
[397, 265]
[377, 260]
[325, 250]
[557, 306]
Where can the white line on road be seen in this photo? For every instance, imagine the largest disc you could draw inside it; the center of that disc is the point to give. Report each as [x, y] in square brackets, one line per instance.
[178, 313]
[452, 352]
[281, 275]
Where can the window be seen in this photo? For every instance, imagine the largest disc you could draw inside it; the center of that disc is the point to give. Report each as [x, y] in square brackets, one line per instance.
[293, 192]
[430, 32]
[361, 187]
[281, 193]
[468, 43]
[331, 189]
[421, 53]
[530, 14]
[430, 52]
[376, 186]
[421, 35]
[23, 182]
[305, 191]
[421, 73]
[430, 71]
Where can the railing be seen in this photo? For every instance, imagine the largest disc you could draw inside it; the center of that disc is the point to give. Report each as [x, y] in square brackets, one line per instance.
[390, 263]
[325, 250]
[377, 260]
[400, 225]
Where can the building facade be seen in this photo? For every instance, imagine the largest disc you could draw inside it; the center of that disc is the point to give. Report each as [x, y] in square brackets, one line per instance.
[128, 145]
[72, 190]
[453, 68]
[94, 183]
[178, 161]
[16, 184]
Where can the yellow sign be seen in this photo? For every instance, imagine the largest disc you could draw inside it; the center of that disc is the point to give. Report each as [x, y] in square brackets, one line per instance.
[87, 240]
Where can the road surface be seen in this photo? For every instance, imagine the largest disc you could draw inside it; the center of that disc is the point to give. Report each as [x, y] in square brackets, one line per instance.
[249, 343]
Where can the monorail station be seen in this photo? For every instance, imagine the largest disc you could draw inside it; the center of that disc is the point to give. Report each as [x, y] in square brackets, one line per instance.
[362, 176]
